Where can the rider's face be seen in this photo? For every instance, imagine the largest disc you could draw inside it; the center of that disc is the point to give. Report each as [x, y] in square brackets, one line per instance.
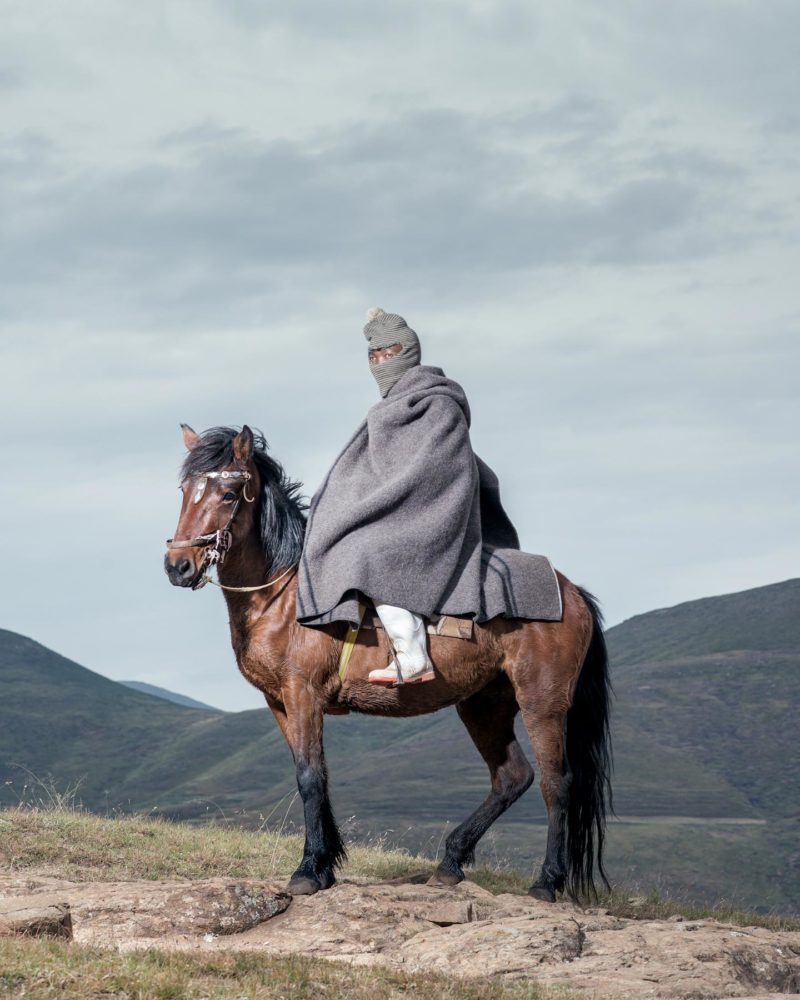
[384, 353]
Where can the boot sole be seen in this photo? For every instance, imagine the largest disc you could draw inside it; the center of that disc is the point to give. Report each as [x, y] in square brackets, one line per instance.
[429, 675]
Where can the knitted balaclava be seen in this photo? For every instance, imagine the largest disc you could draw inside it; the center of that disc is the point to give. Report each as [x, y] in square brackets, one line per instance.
[383, 330]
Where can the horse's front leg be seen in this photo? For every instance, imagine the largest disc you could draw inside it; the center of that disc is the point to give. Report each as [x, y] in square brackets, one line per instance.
[324, 851]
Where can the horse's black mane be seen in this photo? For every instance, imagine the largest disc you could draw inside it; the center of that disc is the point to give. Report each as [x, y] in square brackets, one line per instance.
[281, 505]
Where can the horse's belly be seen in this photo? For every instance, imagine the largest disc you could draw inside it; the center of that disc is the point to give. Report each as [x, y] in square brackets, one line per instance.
[359, 695]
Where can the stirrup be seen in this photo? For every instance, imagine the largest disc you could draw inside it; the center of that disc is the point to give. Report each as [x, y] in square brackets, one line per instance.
[392, 676]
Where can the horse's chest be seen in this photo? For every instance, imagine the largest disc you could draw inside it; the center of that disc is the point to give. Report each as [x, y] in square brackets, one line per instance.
[257, 664]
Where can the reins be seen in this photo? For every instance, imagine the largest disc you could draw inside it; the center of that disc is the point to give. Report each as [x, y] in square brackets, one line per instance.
[246, 590]
[216, 544]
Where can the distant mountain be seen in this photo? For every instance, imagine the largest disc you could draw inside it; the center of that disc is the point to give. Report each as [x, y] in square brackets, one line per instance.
[763, 619]
[717, 680]
[131, 750]
[176, 699]
[707, 780]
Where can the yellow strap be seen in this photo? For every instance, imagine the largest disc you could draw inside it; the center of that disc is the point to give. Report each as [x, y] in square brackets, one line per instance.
[350, 641]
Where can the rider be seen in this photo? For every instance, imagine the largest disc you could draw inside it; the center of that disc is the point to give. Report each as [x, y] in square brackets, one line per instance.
[408, 516]
[393, 350]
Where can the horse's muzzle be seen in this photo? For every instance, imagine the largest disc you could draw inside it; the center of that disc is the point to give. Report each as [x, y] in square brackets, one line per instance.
[181, 569]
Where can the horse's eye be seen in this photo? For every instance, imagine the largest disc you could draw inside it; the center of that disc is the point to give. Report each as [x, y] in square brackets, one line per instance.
[229, 497]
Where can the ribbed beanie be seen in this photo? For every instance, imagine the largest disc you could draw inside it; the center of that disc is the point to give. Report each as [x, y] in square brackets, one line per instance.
[383, 330]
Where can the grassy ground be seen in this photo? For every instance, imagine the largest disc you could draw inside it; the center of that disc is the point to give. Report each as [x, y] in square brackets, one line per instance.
[82, 847]
[44, 969]
[76, 845]
[79, 846]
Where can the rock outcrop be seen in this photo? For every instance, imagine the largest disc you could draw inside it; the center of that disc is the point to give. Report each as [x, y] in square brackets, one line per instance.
[134, 914]
[462, 931]
[21, 917]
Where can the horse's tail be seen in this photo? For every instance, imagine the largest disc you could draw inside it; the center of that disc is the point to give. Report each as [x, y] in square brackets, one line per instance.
[589, 758]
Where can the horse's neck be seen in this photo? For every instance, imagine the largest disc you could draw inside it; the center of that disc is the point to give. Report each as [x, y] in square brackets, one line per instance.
[256, 617]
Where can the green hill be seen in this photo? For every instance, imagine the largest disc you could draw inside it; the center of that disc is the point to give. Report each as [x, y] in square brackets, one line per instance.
[764, 619]
[176, 699]
[717, 680]
[707, 783]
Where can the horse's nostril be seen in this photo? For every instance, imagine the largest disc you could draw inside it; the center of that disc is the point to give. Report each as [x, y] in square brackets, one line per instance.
[184, 567]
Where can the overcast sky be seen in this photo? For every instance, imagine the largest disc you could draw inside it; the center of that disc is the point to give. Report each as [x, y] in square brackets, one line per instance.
[588, 212]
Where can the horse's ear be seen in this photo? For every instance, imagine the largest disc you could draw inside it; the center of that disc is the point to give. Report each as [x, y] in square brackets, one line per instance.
[243, 445]
[190, 437]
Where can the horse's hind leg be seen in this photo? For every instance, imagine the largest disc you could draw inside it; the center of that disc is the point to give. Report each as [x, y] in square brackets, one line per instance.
[546, 730]
[489, 717]
[560, 682]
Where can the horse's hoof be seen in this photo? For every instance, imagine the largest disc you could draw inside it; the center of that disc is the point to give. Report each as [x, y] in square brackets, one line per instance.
[441, 877]
[542, 892]
[303, 886]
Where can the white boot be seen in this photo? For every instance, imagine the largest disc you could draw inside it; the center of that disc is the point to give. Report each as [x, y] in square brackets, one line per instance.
[406, 632]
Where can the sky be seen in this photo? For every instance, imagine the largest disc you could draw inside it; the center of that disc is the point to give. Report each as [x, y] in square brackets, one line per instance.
[589, 213]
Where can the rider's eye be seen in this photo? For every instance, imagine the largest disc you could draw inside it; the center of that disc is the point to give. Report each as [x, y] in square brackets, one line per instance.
[229, 497]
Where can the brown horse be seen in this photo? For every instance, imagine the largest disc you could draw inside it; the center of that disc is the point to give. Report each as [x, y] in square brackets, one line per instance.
[242, 512]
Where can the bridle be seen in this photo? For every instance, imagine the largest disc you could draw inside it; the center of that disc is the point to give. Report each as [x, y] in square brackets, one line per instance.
[216, 544]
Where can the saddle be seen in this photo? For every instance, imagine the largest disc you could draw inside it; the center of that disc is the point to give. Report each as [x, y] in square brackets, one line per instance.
[445, 625]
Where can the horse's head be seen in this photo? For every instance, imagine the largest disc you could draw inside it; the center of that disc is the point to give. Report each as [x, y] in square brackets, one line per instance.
[220, 481]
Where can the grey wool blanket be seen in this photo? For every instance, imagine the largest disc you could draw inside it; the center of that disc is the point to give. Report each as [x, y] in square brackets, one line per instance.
[408, 515]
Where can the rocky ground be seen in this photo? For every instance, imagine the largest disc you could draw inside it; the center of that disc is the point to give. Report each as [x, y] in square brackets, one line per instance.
[464, 932]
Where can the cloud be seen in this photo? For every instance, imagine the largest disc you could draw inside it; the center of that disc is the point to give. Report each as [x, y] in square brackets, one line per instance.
[382, 28]
[9, 78]
[216, 225]
[739, 55]
[574, 114]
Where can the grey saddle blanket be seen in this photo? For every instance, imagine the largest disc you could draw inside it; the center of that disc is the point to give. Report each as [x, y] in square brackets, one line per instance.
[519, 584]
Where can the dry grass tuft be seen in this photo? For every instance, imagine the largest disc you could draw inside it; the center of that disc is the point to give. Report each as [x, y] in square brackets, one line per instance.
[81, 847]
[651, 906]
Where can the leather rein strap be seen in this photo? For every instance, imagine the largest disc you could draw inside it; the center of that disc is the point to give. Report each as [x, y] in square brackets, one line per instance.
[247, 590]
[350, 641]
[216, 544]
